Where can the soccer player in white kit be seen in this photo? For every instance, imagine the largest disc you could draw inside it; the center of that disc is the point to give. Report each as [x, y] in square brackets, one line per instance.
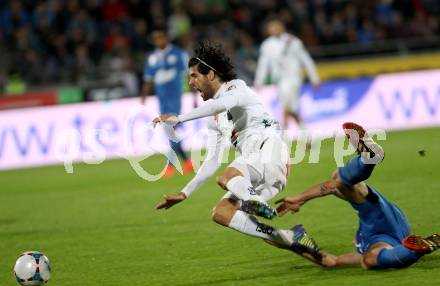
[259, 173]
[282, 57]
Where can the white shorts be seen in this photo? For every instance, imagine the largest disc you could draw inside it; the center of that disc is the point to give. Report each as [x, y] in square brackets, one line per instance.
[288, 93]
[264, 161]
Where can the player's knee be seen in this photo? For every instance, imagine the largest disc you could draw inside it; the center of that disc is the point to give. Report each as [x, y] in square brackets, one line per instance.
[336, 178]
[224, 211]
[217, 216]
[228, 174]
[337, 182]
[335, 175]
[221, 215]
[369, 260]
[222, 181]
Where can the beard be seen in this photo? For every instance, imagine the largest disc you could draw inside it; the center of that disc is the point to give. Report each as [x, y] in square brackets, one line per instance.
[207, 92]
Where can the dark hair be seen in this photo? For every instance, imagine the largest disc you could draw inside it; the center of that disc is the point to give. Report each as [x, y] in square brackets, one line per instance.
[273, 18]
[209, 56]
[160, 28]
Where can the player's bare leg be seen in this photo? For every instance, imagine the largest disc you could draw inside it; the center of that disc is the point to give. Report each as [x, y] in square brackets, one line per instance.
[356, 193]
[297, 118]
[224, 211]
[234, 181]
[286, 116]
[228, 213]
[349, 182]
[289, 114]
[299, 122]
[349, 179]
[369, 259]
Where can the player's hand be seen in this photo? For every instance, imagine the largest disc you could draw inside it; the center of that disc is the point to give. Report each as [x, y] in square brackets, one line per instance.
[171, 200]
[167, 118]
[329, 260]
[292, 204]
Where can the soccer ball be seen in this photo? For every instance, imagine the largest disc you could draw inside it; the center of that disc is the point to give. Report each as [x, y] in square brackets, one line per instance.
[32, 268]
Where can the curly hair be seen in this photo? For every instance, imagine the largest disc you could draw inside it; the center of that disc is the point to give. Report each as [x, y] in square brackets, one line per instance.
[209, 56]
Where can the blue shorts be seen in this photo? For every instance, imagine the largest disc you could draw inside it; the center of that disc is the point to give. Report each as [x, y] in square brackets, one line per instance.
[379, 221]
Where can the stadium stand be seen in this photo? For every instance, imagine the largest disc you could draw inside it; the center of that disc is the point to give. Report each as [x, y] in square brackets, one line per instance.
[96, 43]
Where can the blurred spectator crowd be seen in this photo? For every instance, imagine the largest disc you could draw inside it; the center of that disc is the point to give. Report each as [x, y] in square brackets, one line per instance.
[59, 41]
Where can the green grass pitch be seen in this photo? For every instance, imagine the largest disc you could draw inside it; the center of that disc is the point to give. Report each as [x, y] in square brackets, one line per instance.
[98, 225]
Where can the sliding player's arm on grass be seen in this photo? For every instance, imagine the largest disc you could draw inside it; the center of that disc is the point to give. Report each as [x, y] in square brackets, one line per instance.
[294, 203]
[208, 168]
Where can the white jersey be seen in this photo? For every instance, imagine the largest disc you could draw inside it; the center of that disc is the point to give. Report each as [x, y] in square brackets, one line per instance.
[283, 58]
[236, 114]
[244, 109]
[219, 134]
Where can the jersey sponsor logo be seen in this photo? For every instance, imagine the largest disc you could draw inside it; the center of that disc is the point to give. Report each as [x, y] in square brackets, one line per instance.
[171, 59]
[164, 76]
[267, 123]
[231, 87]
[252, 191]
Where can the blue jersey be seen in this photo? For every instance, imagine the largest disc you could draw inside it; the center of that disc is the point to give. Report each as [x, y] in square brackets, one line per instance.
[166, 68]
[379, 221]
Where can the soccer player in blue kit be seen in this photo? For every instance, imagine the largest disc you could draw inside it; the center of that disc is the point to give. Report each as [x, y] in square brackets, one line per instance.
[383, 238]
[166, 68]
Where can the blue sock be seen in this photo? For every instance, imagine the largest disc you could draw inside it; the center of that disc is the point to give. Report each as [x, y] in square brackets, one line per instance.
[355, 171]
[397, 257]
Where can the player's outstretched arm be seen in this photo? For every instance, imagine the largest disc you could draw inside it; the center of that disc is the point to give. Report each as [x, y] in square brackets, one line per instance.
[294, 203]
[167, 118]
[171, 200]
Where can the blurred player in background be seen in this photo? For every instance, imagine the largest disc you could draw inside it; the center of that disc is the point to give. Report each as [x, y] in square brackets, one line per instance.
[382, 239]
[165, 69]
[261, 170]
[282, 58]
